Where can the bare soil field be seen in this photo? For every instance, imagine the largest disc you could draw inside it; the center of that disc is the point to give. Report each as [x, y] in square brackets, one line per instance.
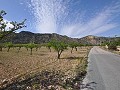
[14, 64]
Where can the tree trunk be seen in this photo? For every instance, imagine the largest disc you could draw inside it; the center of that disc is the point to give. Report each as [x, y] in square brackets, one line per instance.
[36, 48]
[31, 51]
[19, 49]
[8, 49]
[71, 50]
[50, 49]
[76, 48]
[59, 54]
[0, 48]
[27, 49]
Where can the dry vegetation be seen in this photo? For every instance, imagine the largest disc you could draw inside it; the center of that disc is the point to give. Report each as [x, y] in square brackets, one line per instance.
[17, 65]
[112, 51]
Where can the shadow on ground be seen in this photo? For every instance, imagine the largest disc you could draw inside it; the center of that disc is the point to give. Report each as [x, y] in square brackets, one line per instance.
[88, 86]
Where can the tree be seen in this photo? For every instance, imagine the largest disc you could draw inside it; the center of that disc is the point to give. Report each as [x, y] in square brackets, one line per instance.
[37, 46]
[48, 45]
[1, 46]
[9, 45]
[58, 46]
[19, 46]
[31, 46]
[73, 45]
[26, 46]
[3, 24]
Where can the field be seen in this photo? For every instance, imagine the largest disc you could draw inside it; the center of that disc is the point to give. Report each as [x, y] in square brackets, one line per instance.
[16, 65]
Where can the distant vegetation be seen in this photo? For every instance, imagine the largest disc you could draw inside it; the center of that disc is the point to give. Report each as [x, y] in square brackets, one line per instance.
[112, 45]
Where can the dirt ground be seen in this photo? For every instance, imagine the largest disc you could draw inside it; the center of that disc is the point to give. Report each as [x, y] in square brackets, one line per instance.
[13, 64]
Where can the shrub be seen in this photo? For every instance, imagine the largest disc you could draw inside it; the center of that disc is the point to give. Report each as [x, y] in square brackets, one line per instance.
[112, 47]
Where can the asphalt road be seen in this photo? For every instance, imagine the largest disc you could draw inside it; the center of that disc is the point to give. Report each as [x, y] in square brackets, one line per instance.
[103, 71]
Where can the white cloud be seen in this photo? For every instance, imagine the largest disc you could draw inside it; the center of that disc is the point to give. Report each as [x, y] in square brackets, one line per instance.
[8, 25]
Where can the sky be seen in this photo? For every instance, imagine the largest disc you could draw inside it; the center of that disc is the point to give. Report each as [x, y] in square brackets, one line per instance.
[74, 18]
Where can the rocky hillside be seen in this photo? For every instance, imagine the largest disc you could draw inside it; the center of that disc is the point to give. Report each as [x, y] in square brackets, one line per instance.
[27, 37]
[94, 40]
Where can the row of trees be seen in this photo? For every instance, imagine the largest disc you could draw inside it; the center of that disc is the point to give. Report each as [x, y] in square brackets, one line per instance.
[57, 45]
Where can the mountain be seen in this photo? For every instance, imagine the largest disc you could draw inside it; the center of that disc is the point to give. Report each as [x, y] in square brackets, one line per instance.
[26, 37]
[95, 40]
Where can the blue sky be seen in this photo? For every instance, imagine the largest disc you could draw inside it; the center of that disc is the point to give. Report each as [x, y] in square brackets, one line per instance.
[74, 18]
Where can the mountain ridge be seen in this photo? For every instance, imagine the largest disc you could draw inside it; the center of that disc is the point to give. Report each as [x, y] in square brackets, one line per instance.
[38, 38]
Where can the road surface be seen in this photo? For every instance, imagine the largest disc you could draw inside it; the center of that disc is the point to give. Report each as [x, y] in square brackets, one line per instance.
[103, 70]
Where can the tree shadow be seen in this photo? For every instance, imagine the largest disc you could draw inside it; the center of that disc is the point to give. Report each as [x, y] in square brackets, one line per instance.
[71, 58]
[89, 86]
[41, 54]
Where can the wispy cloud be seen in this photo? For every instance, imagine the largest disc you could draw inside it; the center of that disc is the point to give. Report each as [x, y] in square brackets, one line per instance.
[58, 16]
[102, 22]
[48, 14]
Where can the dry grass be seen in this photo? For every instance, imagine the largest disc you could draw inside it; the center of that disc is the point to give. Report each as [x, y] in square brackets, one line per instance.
[13, 63]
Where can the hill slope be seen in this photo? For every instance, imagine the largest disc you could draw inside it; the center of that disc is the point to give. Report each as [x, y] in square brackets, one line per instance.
[27, 37]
